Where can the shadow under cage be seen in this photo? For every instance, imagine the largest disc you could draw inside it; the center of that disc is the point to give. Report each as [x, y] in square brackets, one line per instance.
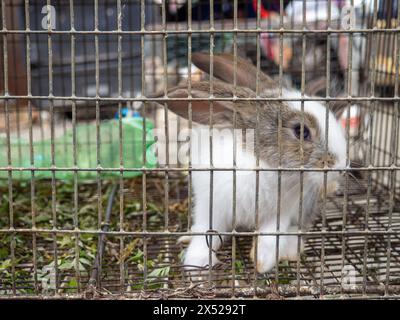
[97, 173]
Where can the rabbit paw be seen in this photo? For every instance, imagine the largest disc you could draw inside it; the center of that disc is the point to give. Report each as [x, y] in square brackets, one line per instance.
[196, 263]
[199, 259]
[266, 255]
[288, 248]
[184, 240]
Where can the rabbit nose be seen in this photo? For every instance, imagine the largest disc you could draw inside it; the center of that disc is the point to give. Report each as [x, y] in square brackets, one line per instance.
[327, 160]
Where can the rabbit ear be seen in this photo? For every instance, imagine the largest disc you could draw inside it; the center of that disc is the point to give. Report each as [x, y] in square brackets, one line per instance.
[223, 110]
[317, 87]
[246, 73]
[338, 107]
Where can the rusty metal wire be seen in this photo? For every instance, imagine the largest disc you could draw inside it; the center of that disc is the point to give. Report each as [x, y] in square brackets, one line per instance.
[358, 227]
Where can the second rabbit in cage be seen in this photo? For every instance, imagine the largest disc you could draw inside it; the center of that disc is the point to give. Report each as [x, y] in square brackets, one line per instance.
[287, 136]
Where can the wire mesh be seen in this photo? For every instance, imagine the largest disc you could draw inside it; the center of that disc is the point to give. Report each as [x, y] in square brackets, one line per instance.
[112, 228]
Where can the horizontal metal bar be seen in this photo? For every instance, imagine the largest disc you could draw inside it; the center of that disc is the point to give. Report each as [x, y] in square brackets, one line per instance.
[191, 31]
[162, 294]
[168, 169]
[166, 233]
[286, 290]
[211, 98]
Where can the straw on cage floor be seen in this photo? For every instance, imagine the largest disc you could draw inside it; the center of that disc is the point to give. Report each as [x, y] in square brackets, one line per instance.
[152, 268]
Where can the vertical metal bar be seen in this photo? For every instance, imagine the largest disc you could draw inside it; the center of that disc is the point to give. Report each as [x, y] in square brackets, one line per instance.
[257, 150]
[385, 124]
[51, 96]
[40, 116]
[74, 142]
[347, 129]
[280, 85]
[31, 151]
[74, 139]
[369, 156]
[165, 63]
[393, 151]
[380, 69]
[327, 93]
[235, 27]
[98, 136]
[281, 26]
[15, 66]
[211, 139]
[366, 217]
[301, 178]
[190, 112]
[366, 223]
[8, 139]
[384, 76]
[144, 176]
[121, 159]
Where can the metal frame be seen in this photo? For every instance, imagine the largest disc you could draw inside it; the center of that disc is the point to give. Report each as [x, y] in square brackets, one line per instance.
[376, 188]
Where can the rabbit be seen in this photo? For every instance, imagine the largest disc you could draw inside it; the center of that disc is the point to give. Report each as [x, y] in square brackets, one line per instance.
[315, 155]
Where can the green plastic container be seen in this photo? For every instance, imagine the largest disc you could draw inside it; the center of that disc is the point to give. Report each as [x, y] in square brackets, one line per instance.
[86, 151]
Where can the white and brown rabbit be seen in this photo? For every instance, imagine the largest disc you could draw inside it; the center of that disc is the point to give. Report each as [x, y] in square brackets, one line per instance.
[314, 155]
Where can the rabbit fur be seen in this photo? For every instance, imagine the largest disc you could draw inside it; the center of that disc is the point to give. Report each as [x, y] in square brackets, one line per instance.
[264, 115]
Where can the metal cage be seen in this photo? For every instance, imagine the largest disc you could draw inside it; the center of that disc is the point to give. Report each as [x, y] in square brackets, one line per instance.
[76, 221]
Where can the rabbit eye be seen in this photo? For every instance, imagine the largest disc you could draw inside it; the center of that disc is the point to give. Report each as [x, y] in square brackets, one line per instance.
[306, 132]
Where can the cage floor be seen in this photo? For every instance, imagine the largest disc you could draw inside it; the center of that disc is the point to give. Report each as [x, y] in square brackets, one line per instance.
[342, 263]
